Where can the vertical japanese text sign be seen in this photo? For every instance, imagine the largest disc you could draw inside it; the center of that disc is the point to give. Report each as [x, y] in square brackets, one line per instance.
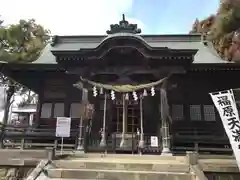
[226, 106]
[63, 127]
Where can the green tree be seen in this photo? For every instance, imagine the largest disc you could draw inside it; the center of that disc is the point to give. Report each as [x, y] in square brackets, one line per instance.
[20, 43]
[220, 28]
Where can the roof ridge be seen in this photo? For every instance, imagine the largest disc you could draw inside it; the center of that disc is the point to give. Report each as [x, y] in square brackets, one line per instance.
[146, 37]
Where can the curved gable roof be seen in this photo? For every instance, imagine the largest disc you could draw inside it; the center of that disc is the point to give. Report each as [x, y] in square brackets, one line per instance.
[205, 54]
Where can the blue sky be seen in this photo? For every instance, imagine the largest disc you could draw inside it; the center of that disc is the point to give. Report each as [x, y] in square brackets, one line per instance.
[171, 16]
[87, 17]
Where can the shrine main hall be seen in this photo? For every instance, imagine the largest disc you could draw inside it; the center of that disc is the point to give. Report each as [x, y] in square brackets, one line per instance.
[126, 91]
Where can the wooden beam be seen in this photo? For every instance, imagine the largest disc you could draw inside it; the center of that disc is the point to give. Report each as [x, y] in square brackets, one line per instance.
[124, 70]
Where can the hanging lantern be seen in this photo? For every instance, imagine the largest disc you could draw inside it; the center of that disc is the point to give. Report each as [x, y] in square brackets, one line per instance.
[135, 97]
[101, 90]
[113, 95]
[152, 91]
[94, 91]
[144, 92]
[126, 96]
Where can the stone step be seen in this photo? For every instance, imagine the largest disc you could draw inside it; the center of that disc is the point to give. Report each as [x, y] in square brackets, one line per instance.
[117, 174]
[23, 154]
[69, 179]
[128, 156]
[119, 164]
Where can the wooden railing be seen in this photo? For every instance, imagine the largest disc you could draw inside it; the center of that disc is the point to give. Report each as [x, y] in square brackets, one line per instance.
[28, 137]
[200, 140]
[182, 140]
[113, 143]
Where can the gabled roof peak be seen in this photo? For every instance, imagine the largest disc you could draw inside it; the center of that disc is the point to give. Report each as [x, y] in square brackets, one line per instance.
[124, 27]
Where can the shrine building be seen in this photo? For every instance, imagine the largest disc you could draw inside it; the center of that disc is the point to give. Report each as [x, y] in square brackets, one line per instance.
[139, 88]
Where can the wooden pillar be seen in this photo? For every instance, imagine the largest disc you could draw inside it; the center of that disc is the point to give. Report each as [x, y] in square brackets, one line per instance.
[38, 113]
[82, 134]
[186, 104]
[166, 144]
[67, 101]
[141, 141]
[124, 116]
[39, 104]
[103, 135]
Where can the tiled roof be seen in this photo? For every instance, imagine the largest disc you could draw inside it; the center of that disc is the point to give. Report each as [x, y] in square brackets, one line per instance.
[206, 53]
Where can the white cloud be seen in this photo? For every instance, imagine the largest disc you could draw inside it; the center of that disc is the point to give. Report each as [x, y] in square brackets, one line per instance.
[72, 17]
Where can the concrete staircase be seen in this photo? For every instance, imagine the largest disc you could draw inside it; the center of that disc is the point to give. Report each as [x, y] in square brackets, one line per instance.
[120, 167]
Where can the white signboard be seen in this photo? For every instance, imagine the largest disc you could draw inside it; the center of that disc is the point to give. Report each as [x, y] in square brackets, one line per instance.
[63, 127]
[154, 141]
[226, 106]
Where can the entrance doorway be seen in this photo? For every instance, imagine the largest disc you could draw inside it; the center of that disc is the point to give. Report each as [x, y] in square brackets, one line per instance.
[132, 118]
[131, 125]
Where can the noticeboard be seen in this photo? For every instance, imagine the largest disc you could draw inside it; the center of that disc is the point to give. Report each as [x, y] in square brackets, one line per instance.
[63, 127]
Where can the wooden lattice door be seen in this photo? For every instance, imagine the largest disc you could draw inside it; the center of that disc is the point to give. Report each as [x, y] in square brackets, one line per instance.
[133, 117]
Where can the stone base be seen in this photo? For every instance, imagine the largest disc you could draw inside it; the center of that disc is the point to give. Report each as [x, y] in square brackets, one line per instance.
[79, 151]
[166, 152]
[103, 144]
[80, 148]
